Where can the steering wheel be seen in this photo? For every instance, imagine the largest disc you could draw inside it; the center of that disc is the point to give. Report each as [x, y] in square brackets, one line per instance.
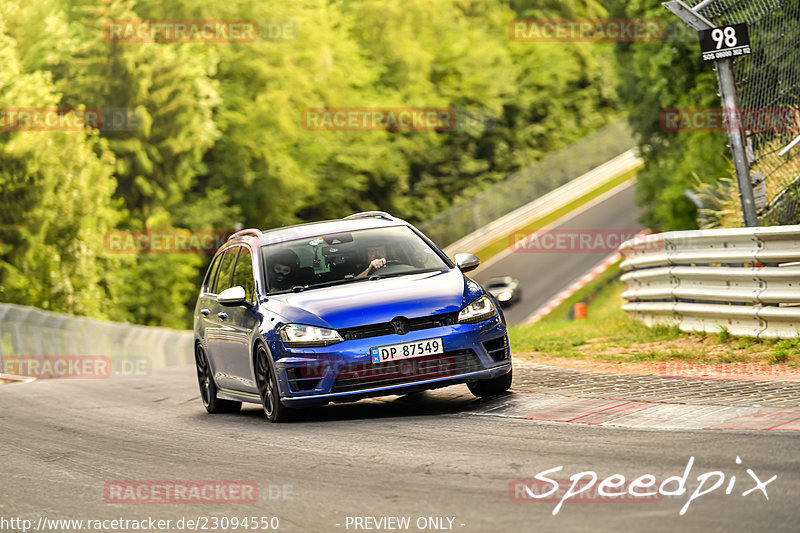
[392, 267]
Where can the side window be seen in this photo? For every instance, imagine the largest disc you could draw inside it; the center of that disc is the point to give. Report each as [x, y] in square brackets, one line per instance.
[213, 268]
[226, 270]
[243, 275]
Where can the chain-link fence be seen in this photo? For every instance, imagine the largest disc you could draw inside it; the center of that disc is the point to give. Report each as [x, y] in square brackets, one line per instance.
[530, 183]
[32, 335]
[768, 83]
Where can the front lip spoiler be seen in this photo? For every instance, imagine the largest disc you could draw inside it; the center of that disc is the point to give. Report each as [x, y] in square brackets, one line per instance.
[486, 373]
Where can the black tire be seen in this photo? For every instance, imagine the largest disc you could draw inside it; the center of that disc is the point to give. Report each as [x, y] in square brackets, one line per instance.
[208, 389]
[490, 387]
[416, 396]
[268, 388]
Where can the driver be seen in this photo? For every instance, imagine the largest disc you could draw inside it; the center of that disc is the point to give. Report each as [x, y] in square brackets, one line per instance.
[282, 269]
[376, 257]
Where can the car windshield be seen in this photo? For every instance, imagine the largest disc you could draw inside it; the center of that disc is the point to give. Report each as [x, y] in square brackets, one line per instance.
[347, 257]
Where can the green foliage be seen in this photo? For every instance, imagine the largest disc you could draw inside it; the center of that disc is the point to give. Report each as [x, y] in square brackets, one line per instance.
[724, 335]
[785, 351]
[219, 139]
[661, 76]
[57, 202]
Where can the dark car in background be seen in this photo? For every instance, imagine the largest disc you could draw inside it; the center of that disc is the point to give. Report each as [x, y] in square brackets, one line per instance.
[341, 310]
[505, 288]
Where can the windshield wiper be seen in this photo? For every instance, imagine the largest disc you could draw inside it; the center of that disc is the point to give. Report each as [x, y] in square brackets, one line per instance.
[396, 274]
[384, 276]
[334, 282]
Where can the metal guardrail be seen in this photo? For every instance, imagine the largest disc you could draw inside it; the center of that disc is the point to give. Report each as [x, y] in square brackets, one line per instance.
[526, 185]
[746, 280]
[31, 332]
[544, 205]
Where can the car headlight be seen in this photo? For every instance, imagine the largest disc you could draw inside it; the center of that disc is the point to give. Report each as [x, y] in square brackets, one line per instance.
[480, 309]
[504, 296]
[300, 335]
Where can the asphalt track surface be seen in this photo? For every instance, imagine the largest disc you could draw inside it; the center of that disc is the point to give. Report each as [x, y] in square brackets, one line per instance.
[441, 454]
[544, 274]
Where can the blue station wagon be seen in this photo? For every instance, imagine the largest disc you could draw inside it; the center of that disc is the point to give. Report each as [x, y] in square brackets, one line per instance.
[342, 310]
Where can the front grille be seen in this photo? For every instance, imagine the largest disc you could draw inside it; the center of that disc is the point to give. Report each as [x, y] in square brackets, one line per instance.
[497, 348]
[411, 324]
[367, 375]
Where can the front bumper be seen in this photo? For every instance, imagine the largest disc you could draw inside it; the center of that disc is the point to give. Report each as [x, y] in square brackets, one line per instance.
[344, 371]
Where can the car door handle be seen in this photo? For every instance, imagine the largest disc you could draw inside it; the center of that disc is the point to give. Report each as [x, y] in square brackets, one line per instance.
[205, 312]
[222, 315]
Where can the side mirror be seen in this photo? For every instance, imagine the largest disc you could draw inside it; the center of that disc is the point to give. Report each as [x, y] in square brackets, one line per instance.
[233, 296]
[467, 262]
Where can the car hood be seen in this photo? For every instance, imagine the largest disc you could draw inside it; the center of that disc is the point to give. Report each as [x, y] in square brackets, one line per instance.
[372, 301]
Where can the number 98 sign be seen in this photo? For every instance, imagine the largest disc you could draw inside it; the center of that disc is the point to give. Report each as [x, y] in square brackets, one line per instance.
[724, 42]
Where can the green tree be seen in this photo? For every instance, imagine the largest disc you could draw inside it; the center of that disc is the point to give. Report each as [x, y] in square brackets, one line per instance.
[57, 191]
[662, 76]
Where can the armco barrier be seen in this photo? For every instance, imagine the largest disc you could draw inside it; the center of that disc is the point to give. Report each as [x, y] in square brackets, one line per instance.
[546, 204]
[475, 217]
[31, 332]
[746, 280]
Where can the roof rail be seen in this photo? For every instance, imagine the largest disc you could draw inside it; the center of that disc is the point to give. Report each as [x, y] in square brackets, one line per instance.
[366, 214]
[248, 231]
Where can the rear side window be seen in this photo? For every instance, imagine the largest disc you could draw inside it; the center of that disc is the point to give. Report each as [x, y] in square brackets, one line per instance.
[208, 282]
[243, 275]
[225, 274]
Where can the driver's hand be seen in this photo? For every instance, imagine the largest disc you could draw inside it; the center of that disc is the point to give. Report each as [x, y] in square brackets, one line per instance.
[378, 263]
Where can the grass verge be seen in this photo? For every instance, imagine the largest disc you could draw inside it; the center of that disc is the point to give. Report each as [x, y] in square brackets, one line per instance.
[608, 335]
[501, 243]
[561, 312]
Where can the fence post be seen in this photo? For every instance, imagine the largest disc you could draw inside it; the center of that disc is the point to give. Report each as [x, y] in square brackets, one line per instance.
[730, 105]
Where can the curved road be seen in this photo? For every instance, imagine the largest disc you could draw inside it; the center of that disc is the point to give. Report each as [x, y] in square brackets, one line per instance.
[442, 454]
[542, 275]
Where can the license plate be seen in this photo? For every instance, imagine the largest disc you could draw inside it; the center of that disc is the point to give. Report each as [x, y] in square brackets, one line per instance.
[406, 350]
